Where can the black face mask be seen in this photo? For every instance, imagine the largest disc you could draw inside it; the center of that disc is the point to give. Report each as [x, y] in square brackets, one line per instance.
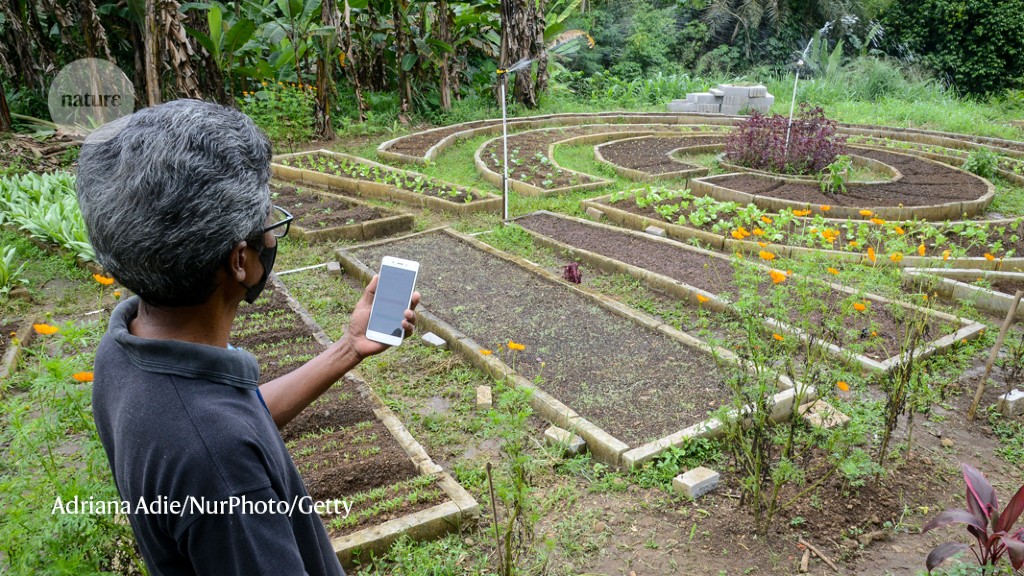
[267, 257]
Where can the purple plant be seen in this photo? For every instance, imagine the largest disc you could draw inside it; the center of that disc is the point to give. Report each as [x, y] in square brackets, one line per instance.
[982, 515]
[760, 143]
[571, 272]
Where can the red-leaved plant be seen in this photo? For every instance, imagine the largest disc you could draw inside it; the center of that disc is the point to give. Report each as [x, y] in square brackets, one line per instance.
[571, 272]
[992, 529]
[760, 142]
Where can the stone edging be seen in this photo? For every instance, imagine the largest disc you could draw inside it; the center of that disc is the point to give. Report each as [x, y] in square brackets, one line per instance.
[426, 524]
[641, 176]
[954, 285]
[690, 294]
[682, 233]
[604, 447]
[855, 159]
[482, 202]
[360, 231]
[946, 211]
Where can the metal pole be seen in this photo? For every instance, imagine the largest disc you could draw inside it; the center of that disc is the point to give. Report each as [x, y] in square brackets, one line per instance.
[504, 138]
[792, 108]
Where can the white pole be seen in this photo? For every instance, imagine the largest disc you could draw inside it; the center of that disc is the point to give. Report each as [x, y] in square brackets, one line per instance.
[504, 138]
[792, 107]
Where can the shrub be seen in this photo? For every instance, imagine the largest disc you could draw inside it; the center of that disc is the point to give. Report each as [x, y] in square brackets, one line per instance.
[283, 111]
[760, 143]
[982, 162]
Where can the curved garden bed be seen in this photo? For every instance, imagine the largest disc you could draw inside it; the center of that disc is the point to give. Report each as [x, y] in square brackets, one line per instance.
[872, 337]
[651, 158]
[630, 385]
[361, 177]
[322, 217]
[929, 190]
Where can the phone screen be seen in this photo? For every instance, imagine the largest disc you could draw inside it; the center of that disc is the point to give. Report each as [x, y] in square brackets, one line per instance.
[394, 289]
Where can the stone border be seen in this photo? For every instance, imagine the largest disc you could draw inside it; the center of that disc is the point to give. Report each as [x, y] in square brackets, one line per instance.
[482, 202]
[856, 160]
[682, 233]
[9, 362]
[707, 186]
[604, 447]
[359, 231]
[690, 294]
[954, 285]
[946, 159]
[427, 524]
[641, 176]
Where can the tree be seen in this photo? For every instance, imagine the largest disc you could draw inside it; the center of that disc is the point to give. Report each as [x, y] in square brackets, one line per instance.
[522, 38]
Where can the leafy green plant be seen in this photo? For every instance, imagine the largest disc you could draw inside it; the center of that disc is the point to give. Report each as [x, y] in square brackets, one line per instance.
[983, 162]
[992, 528]
[10, 277]
[283, 111]
[834, 175]
[46, 207]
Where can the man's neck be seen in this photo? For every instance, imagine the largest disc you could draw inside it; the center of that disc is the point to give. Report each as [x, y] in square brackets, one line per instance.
[208, 323]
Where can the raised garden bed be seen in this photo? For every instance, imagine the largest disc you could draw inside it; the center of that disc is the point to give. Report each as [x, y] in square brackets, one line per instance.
[1009, 167]
[652, 158]
[321, 217]
[13, 337]
[871, 338]
[361, 177]
[959, 285]
[730, 226]
[348, 445]
[928, 190]
[628, 384]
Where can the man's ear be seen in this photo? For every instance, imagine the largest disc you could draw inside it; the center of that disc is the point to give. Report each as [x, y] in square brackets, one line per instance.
[237, 261]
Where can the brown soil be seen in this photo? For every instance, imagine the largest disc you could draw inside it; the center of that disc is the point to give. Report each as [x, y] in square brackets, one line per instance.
[635, 383]
[7, 331]
[338, 445]
[651, 155]
[914, 236]
[314, 211]
[816, 311]
[1008, 286]
[923, 183]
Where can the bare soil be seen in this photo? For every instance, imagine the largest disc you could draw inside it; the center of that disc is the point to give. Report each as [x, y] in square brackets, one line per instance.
[923, 183]
[879, 331]
[337, 443]
[1008, 286]
[651, 155]
[635, 383]
[314, 211]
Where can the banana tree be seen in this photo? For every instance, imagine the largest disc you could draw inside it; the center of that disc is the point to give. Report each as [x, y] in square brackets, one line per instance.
[227, 39]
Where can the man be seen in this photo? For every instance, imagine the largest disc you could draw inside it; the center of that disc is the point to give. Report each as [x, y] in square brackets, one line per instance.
[177, 205]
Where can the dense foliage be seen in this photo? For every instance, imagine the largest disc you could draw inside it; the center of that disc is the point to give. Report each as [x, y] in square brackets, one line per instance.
[771, 143]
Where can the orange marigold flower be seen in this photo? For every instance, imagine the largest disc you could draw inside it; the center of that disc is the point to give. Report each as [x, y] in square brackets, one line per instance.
[801, 213]
[777, 277]
[832, 271]
[762, 244]
[516, 346]
[921, 250]
[877, 221]
[873, 333]
[736, 234]
[825, 207]
[758, 232]
[896, 257]
[117, 293]
[83, 377]
[702, 298]
[813, 230]
[105, 280]
[766, 220]
[871, 254]
[765, 255]
[486, 352]
[867, 213]
[989, 257]
[843, 386]
[854, 243]
[778, 337]
[45, 329]
[859, 306]
[945, 254]
[900, 231]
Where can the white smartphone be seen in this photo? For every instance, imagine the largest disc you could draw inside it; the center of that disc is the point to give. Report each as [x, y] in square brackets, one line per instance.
[393, 297]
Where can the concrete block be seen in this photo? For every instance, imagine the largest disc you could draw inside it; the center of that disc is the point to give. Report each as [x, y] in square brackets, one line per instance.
[558, 437]
[655, 231]
[677, 106]
[334, 269]
[757, 91]
[434, 340]
[716, 92]
[484, 399]
[735, 100]
[696, 482]
[594, 213]
[761, 104]
[731, 109]
[824, 415]
[708, 108]
[1011, 404]
[705, 98]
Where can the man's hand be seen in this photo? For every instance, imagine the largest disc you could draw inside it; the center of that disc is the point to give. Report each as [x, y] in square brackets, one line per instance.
[356, 332]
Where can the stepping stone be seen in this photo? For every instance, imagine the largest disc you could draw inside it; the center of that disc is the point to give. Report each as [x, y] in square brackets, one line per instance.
[333, 269]
[696, 482]
[1011, 404]
[594, 213]
[434, 340]
[558, 437]
[484, 400]
[824, 415]
[655, 231]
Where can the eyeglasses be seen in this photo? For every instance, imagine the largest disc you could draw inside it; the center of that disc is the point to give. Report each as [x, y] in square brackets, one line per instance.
[280, 222]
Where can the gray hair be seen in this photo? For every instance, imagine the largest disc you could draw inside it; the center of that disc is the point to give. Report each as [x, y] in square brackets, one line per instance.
[167, 192]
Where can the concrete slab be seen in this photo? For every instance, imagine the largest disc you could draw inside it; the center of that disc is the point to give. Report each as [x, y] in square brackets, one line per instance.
[822, 414]
[561, 438]
[1011, 404]
[594, 213]
[434, 340]
[655, 231]
[484, 398]
[696, 482]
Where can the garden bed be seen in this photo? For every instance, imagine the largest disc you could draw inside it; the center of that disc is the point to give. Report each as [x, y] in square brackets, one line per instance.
[929, 190]
[995, 244]
[321, 217]
[361, 177]
[348, 445]
[873, 338]
[652, 157]
[628, 384]
[959, 285]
